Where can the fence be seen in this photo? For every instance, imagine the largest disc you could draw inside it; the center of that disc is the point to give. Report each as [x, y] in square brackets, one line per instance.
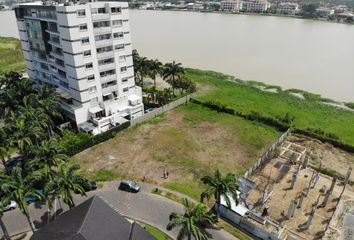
[160, 110]
[266, 155]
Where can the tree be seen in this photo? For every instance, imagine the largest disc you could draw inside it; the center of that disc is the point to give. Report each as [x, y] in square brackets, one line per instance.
[219, 186]
[65, 182]
[4, 146]
[309, 10]
[4, 201]
[18, 186]
[192, 222]
[171, 72]
[155, 68]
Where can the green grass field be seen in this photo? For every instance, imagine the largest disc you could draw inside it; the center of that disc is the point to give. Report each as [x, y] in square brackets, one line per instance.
[243, 96]
[11, 58]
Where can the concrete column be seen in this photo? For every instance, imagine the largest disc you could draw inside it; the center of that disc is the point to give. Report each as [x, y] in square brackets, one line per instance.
[303, 195]
[308, 188]
[306, 162]
[291, 209]
[347, 177]
[312, 214]
[293, 180]
[325, 200]
[334, 179]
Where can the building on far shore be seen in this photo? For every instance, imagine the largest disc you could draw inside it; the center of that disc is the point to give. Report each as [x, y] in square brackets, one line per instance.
[255, 6]
[231, 6]
[83, 50]
[324, 12]
[288, 8]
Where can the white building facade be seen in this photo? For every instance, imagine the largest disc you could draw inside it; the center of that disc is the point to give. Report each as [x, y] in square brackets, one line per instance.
[231, 6]
[255, 6]
[288, 8]
[85, 52]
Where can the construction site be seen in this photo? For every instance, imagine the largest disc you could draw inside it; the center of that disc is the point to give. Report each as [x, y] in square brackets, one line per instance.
[286, 198]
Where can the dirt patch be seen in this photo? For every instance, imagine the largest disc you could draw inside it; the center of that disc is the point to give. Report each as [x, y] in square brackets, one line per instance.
[187, 151]
[321, 153]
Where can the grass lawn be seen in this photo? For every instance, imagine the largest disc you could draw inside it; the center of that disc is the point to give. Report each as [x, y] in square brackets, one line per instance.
[243, 96]
[159, 235]
[11, 58]
[189, 142]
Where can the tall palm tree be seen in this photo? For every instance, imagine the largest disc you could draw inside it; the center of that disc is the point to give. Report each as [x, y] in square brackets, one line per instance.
[219, 186]
[192, 221]
[171, 72]
[18, 186]
[4, 201]
[155, 68]
[65, 182]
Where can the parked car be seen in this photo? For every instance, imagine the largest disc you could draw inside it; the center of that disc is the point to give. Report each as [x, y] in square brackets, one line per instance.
[31, 199]
[12, 162]
[129, 185]
[11, 206]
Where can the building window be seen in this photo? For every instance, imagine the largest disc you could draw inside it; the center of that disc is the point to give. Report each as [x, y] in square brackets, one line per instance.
[107, 73]
[118, 35]
[89, 65]
[122, 58]
[125, 89]
[91, 78]
[87, 53]
[101, 10]
[116, 10]
[119, 47]
[106, 61]
[104, 49]
[83, 27]
[81, 13]
[92, 89]
[123, 69]
[103, 37]
[117, 23]
[101, 24]
[124, 80]
[85, 40]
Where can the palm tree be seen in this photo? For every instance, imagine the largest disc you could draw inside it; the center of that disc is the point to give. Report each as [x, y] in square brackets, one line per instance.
[18, 187]
[4, 147]
[155, 68]
[219, 186]
[4, 201]
[171, 72]
[65, 182]
[192, 221]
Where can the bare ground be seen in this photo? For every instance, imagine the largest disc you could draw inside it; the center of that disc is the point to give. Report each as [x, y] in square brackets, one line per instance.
[186, 151]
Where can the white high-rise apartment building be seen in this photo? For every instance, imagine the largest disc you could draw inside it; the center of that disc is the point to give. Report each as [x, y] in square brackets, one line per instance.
[84, 51]
[231, 5]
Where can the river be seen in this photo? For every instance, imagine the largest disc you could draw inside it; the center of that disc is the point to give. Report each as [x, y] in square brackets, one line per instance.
[294, 53]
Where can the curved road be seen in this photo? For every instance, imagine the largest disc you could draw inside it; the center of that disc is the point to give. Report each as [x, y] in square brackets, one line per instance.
[143, 206]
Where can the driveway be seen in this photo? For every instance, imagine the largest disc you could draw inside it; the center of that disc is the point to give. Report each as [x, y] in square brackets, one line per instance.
[143, 206]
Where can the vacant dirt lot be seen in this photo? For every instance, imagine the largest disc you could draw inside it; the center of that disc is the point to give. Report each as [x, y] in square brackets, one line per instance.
[330, 157]
[188, 142]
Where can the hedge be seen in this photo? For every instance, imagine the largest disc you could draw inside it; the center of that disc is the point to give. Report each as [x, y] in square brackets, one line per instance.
[94, 140]
[280, 123]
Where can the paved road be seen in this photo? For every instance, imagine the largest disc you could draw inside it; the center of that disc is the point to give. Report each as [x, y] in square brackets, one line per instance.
[143, 206]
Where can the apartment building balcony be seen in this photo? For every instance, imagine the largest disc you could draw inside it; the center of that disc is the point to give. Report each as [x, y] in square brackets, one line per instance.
[100, 16]
[108, 78]
[109, 89]
[105, 54]
[102, 43]
[106, 67]
[52, 32]
[57, 55]
[55, 43]
[102, 30]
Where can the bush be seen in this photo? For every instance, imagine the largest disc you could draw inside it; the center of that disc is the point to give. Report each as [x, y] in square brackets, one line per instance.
[75, 143]
[350, 105]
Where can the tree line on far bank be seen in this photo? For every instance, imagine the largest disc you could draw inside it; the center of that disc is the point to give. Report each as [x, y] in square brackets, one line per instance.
[173, 73]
